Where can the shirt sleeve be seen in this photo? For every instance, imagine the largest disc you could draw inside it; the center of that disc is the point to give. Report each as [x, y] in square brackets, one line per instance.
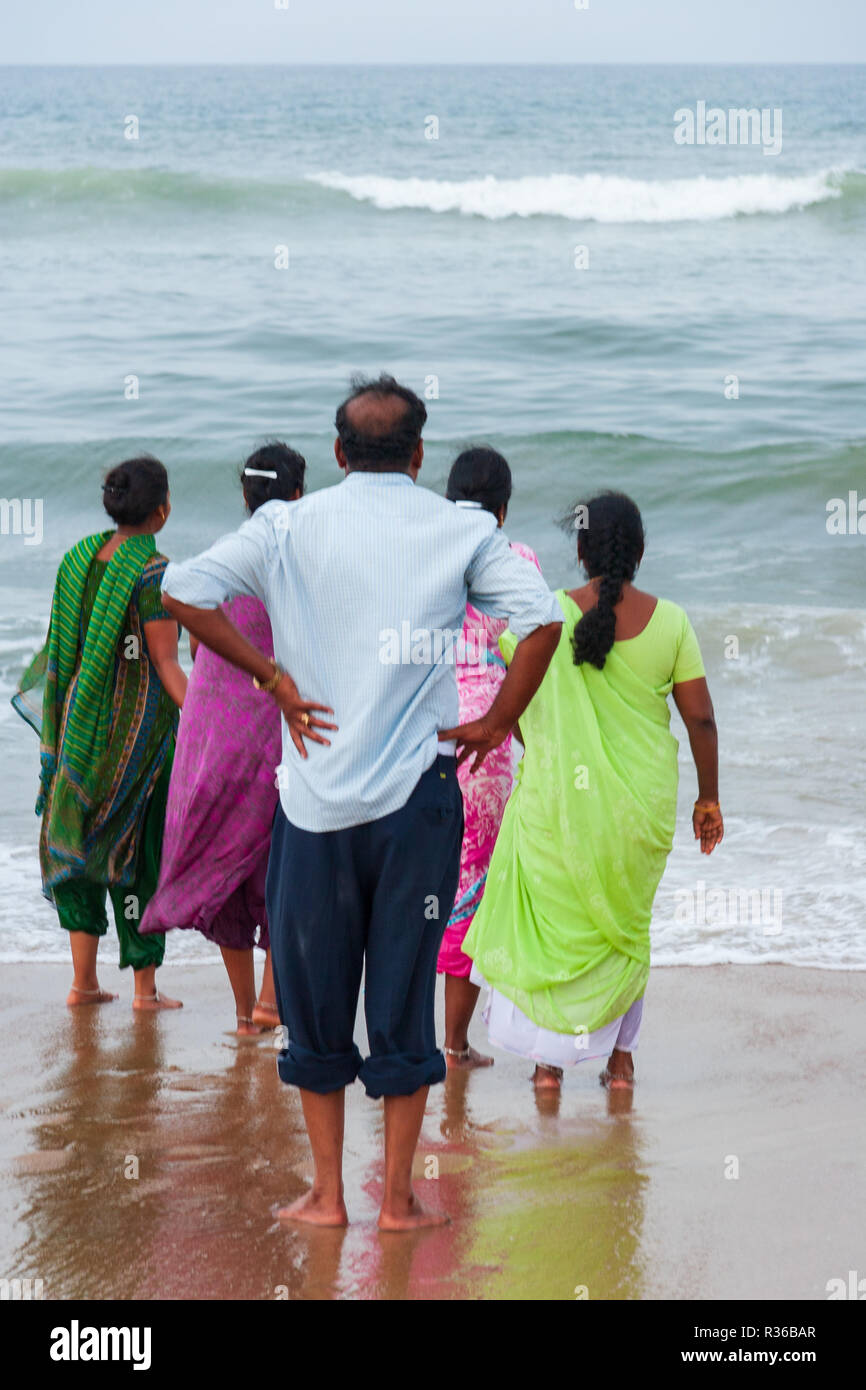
[236, 564]
[688, 665]
[503, 584]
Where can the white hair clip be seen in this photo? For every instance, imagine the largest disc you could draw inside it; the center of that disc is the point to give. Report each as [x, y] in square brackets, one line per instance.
[465, 502]
[258, 473]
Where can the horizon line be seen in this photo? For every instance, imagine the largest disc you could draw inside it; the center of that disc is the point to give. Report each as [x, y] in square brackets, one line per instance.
[455, 63]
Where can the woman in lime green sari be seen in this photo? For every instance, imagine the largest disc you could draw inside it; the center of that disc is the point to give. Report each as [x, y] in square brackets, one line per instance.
[562, 934]
[104, 694]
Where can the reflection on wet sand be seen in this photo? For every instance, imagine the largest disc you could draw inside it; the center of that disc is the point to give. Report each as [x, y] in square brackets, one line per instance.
[178, 1145]
[86, 1230]
[506, 1183]
[146, 1157]
[171, 1173]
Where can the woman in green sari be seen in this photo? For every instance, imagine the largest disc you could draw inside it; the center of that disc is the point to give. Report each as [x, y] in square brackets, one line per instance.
[104, 695]
[562, 934]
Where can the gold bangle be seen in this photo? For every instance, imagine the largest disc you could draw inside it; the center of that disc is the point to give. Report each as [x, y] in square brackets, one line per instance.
[270, 686]
[707, 806]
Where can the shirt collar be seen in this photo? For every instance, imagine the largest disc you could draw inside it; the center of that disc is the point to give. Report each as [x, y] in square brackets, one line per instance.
[371, 479]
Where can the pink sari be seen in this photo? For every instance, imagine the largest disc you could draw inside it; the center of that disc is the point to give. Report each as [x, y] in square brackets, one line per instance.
[486, 791]
[221, 799]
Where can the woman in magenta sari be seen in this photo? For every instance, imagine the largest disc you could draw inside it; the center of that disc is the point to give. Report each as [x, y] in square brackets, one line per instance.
[479, 478]
[223, 790]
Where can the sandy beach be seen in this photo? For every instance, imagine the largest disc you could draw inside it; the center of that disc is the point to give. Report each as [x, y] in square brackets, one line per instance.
[748, 1070]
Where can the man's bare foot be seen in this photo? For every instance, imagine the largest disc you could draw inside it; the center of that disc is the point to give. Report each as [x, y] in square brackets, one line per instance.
[547, 1078]
[266, 1015]
[316, 1210]
[466, 1058]
[76, 996]
[149, 1003]
[409, 1216]
[618, 1075]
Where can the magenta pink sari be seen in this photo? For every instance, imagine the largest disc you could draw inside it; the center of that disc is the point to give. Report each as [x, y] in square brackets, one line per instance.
[484, 792]
[221, 799]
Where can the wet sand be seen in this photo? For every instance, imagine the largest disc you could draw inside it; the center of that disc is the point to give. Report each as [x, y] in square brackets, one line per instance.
[755, 1070]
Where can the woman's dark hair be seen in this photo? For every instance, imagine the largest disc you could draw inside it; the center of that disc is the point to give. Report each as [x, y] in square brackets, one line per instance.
[480, 475]
[610, 541]
[134, 489]
[278, 458]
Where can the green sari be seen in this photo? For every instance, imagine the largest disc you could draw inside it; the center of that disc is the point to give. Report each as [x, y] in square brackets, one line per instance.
[105, 722]
[563, 927]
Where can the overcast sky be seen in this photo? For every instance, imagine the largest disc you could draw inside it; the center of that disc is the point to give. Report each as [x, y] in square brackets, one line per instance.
[431, 31]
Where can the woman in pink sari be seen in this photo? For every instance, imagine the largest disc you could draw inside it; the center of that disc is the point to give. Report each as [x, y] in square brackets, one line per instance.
[223, 790]
[481, 478]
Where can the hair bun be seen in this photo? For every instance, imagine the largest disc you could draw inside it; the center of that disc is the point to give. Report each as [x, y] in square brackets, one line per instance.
[133, 490]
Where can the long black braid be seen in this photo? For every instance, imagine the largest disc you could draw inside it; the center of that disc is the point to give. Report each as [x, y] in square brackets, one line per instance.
[610, 545]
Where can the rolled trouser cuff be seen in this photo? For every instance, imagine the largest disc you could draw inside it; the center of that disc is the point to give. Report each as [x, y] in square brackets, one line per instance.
[401, 1073]
[313, 1071]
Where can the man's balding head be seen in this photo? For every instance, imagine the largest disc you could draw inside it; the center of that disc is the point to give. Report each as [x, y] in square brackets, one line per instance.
[379, 427]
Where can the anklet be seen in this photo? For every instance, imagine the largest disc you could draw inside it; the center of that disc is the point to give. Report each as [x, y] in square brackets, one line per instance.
[457, 1052]
[79, 990]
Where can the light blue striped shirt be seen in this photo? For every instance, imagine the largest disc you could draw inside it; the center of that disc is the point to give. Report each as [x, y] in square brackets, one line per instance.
[366, 586]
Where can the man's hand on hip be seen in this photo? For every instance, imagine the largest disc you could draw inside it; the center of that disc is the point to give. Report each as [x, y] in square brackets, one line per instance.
[299, 715]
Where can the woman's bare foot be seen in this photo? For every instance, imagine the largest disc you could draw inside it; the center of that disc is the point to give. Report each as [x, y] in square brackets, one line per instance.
[618, 1075]
[247, 1028]
[149, 1003]
[316, 1210]
[77, 996]
[265, 1015]
[466, 1057]
[409, 1216]
[547, 1078]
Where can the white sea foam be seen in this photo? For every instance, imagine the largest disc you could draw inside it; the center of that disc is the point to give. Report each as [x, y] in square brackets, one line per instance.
[790, 894]
[804, 883]
[28, 922]
[791, 870]
[594, 197]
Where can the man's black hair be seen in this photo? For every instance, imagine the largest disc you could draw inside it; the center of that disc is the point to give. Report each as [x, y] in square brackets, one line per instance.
[383, 450]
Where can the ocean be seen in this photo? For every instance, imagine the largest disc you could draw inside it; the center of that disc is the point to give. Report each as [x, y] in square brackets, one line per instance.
[193, 260]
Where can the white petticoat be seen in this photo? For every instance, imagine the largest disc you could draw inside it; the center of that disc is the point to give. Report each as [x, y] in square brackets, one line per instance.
[509, 1028]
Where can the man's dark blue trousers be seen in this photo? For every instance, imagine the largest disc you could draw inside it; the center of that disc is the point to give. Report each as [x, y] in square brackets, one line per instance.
[373, 899]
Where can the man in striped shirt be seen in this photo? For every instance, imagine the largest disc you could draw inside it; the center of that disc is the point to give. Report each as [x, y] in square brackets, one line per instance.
[366, 586]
